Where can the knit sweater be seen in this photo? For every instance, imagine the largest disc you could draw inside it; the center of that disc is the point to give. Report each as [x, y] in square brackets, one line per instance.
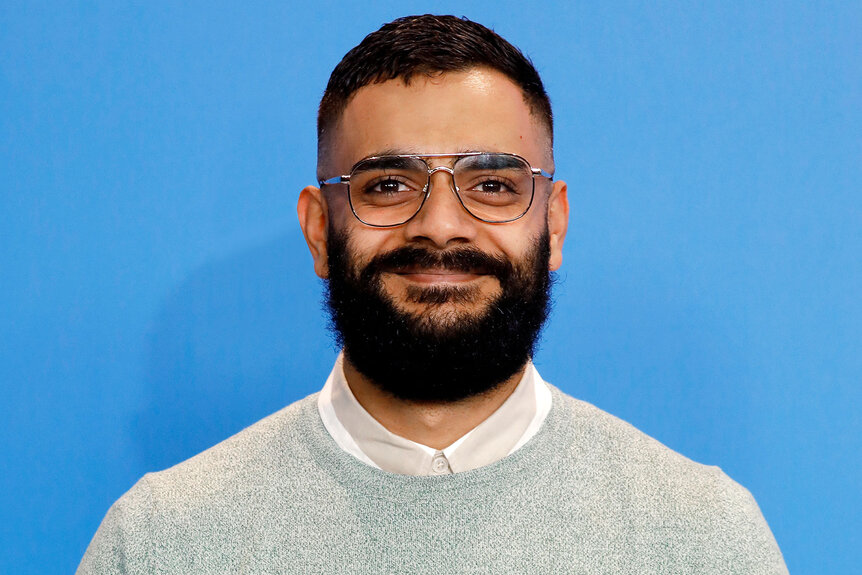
[588, 494]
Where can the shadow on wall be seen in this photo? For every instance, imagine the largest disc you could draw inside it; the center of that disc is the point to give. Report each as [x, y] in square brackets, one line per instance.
[240, 339]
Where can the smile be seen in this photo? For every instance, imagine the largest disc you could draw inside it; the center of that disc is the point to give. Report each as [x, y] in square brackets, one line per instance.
[437, 275]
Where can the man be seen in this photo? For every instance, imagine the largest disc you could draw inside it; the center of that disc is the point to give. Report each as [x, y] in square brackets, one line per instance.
[435, 446]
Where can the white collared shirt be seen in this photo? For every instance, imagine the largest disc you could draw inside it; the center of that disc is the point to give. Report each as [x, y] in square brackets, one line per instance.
[514, 423]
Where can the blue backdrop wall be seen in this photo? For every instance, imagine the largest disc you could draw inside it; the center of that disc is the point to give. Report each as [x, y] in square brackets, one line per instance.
[156, 295]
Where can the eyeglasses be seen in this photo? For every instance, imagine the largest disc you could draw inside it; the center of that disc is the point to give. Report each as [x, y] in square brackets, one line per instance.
[388, 191]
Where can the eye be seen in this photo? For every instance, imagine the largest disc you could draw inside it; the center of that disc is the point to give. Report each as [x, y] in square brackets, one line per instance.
[493, 187]
[388, 186]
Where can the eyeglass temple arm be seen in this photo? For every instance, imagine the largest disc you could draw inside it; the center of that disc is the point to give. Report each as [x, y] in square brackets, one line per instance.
[543, 173]
[334, 180]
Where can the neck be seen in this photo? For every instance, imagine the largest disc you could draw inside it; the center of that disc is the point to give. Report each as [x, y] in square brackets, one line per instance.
[435, 424]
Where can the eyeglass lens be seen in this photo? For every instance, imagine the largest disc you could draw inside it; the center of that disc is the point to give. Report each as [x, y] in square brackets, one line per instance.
[389, 190]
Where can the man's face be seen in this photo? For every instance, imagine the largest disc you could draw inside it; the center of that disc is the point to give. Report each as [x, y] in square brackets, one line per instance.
[476, 110]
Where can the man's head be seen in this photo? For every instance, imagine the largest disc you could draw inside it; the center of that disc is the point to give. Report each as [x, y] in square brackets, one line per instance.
[444, 305]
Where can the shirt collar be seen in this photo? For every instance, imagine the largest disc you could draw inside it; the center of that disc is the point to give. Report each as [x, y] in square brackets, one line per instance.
[504, 431]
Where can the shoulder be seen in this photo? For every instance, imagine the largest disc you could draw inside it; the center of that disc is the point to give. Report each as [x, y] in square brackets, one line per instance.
[262, 450]
[601, 440]
[190, 505]
[604, 445]
[270, 451]
[627, 477]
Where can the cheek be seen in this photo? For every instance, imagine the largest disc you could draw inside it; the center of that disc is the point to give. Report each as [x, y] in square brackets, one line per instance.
[362, 243]
[338, 209]
[514, 240]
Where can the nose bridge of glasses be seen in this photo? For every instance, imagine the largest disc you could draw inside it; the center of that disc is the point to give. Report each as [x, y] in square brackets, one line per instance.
[447, 169]
[434, 170]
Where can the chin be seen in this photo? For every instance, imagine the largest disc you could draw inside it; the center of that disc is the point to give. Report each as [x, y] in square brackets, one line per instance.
[442, 320]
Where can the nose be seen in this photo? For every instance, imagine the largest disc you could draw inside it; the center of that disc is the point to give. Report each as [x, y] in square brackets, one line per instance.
[442, 221]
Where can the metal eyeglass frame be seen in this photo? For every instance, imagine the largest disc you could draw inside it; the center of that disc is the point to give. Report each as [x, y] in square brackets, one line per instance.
[427, 189]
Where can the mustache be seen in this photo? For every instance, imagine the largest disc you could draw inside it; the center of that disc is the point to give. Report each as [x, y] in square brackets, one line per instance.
[465, 259]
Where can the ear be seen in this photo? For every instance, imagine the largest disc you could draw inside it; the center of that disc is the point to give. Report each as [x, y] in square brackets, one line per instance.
[314, 219]
[558, 223]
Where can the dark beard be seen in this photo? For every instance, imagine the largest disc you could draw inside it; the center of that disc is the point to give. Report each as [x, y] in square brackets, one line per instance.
[435, 356]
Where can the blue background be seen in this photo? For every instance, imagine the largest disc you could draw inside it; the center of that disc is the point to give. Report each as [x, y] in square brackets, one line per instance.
[156, 295]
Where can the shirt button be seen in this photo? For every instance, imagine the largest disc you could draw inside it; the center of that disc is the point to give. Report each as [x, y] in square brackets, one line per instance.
[440, 465]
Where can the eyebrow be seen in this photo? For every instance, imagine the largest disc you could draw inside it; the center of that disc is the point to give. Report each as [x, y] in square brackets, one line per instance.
[384, 162]
[492, 161]
[389, 159]
[418, 152]
[383, 159]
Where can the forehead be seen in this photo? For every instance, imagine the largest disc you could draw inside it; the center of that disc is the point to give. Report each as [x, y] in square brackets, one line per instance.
[473, 110]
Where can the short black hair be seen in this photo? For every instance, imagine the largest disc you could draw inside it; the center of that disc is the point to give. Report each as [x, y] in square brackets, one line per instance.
[427, 45]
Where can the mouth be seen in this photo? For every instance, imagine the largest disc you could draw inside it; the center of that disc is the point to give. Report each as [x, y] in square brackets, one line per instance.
[438, 275]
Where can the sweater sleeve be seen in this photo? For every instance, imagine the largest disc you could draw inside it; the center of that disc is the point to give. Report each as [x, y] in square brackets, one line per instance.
[121, 544]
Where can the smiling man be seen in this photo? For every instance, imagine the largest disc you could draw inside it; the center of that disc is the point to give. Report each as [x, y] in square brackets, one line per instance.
[436, 241]
[435, 446]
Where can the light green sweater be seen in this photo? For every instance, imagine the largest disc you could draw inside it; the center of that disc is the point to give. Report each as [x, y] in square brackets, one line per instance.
[588, 494]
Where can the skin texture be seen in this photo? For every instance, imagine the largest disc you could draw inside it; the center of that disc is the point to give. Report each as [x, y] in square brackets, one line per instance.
[474, 110]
